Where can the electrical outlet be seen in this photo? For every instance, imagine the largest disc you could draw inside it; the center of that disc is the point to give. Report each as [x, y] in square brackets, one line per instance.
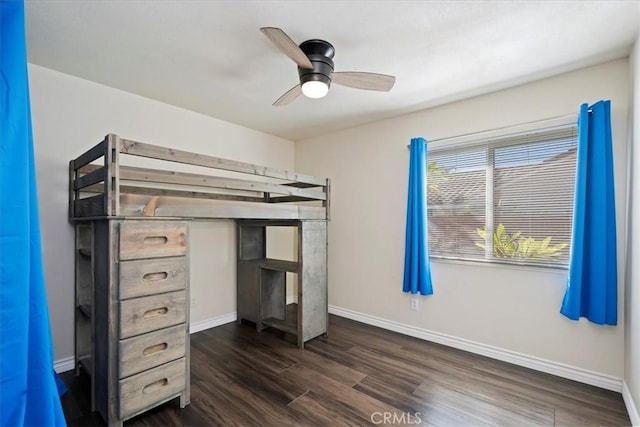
[415, 304]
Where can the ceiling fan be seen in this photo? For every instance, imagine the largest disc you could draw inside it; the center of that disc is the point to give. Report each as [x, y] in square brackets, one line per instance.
[315, 68]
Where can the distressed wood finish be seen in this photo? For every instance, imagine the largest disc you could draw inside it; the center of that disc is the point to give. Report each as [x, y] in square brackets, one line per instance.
[89, 206]
[261, 282]
[73, 194]
[312, 285]
[84, 294]
[151, 276]
[152, 386]
[152, 239]
[146, 314]
[164, 153]
[132, 205]
[181, 194]
[93, 177]
[139, 260]
[105, 308]
[159, 176]
[114, 172]
[130, 317]
[149, 350]
[279, 265]
[244, 378]
[171, 193]
[186, 194]
[109, 184]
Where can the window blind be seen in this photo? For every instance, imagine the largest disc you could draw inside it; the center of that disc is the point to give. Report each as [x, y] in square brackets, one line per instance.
[507, 199]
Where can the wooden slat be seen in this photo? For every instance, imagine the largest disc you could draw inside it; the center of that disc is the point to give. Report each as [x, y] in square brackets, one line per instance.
[327, 203]
[152, 191]
[255, 211]
[90, 206]
[163, 153]
[279, 265]
[285, 199]
[114, 172]
[72, 194]
[89, 168]
[111, 193]
[107, 182]
[130, 189]
[268, 223]
[181, 178]
[91, 178]
[89, 156]
[302, 185]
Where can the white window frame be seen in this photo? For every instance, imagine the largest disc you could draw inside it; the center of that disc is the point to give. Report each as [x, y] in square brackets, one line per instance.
[484, 139]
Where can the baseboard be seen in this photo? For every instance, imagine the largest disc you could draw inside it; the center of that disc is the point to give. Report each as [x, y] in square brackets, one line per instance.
[65, 364]
[632, 409]
[520, 359]
[212, 323]
[221, 320]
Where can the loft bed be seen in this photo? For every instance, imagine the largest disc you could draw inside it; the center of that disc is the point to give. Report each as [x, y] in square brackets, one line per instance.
[131, 204]
[113, 188]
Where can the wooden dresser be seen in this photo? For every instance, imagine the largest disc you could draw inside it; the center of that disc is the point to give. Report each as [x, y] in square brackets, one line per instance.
[132, 312]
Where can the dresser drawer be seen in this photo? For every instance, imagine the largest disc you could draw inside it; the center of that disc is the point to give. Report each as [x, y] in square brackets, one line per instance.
[152, 239]
[146, 314]
[144, 390]
[146, 351]
[151, 276]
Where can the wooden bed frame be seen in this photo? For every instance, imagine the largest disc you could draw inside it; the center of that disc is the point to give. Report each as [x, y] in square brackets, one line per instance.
[112, 189]
[132, 262]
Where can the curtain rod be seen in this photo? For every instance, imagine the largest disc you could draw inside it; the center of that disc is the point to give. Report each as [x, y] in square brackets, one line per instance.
[504, 128]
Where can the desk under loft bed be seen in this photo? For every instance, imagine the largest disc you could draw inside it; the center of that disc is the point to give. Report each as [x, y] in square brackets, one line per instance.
[132, 262]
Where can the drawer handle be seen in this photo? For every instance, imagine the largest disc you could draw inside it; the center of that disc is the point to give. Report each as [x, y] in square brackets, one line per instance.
[156, 240]
[155, 349]
[161, 311]
[150, 388]
[154, 277]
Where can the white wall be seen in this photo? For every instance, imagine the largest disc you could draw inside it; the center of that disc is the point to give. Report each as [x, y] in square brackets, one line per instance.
[69, 116]
[514, 309]
[632, 285]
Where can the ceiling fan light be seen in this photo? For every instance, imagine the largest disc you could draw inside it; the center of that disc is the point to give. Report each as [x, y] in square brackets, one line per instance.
[315, 89]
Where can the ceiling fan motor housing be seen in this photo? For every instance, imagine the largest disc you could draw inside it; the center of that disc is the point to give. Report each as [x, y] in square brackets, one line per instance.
[319, 53]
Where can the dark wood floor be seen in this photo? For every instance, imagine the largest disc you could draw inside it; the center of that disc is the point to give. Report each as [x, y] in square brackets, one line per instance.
[359, 375]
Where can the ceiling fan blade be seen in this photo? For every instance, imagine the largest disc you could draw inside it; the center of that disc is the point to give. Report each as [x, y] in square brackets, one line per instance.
[287, 46]
[361, 80]
[288, 96]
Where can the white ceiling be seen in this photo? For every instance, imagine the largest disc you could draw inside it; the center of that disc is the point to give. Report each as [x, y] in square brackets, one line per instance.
[210, 57]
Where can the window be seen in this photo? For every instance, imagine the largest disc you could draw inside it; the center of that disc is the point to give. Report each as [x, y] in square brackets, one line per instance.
[509, 199]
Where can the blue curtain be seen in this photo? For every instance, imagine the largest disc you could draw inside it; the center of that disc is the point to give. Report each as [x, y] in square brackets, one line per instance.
[592, 287]
[417, 274]
[28, 392]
